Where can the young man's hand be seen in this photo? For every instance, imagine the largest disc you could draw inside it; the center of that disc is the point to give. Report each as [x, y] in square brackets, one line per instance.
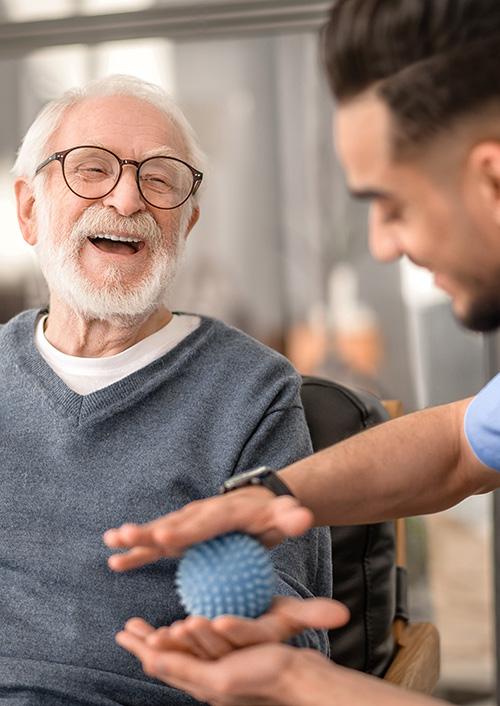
[254, 510]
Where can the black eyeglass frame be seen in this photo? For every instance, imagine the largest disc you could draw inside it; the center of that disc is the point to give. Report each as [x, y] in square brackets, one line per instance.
[61, 157]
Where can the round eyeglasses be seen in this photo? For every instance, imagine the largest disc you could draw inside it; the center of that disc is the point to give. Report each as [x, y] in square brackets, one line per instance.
[93, 172]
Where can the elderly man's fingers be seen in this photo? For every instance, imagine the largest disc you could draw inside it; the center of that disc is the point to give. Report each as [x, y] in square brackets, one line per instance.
[154, 663]
[314, 613]
[195, 634]
[286, 618]
[243, 678]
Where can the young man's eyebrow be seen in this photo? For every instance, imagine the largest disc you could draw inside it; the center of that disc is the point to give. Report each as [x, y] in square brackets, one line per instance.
[368, 194]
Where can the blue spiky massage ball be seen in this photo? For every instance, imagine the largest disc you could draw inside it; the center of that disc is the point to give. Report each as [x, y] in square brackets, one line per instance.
[231, 574]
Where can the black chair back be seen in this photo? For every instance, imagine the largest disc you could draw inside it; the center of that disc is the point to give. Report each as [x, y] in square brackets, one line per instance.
[364, 556]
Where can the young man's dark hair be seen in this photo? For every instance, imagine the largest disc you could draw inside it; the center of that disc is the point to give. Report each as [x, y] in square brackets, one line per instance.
[433, 63]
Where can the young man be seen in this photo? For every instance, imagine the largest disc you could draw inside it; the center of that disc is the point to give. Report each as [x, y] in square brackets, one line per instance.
[417, 129]
[112, 406]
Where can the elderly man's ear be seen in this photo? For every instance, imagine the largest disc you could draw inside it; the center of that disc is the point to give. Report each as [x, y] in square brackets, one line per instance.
[26, 210]
[193, 220]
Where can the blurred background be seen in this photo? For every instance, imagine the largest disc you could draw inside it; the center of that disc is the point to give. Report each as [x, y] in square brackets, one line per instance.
[280, 249]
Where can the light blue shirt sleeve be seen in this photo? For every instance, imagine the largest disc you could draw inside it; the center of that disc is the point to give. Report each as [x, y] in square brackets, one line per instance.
[482, 424]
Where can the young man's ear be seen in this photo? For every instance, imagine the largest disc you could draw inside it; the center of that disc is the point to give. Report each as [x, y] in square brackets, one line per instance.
[26, 211]
[484, 166]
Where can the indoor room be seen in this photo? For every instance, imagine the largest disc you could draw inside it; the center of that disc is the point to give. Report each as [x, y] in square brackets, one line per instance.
[281, 248]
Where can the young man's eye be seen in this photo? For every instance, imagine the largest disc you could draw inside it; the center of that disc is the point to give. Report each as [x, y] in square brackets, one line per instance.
[390, 214]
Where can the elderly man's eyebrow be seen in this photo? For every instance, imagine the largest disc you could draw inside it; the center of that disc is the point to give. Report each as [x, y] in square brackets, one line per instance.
[161, 152]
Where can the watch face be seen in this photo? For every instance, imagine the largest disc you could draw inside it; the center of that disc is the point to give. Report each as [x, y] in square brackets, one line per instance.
[258, 476]
[247, 478]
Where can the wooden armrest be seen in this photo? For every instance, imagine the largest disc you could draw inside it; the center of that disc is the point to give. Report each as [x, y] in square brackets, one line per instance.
[394, 407]
[416, 662]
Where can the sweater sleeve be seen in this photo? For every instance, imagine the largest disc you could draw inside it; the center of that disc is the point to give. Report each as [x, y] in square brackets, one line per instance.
[303, 565]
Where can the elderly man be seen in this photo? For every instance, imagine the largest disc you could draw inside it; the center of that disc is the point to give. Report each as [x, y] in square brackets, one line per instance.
[113, 408]
[418, 132]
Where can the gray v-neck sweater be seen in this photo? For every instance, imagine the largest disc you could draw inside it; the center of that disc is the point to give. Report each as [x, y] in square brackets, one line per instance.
[72, 466]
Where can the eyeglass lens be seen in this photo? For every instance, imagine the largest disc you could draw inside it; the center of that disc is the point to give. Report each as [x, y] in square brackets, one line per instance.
[92, 172]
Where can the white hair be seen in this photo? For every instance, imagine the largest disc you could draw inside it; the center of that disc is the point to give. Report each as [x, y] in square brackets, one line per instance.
[34, 147]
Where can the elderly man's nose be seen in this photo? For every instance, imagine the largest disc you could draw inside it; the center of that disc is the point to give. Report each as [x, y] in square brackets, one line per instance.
[126, 197]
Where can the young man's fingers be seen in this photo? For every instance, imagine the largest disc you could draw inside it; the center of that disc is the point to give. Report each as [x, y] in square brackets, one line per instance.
[251, 510]
[134, 558]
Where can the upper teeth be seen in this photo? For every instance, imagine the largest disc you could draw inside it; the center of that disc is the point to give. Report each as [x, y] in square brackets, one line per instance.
[122, 238]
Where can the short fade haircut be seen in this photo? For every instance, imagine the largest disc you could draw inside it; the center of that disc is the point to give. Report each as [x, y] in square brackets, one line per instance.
[433, 62]
[35, 145]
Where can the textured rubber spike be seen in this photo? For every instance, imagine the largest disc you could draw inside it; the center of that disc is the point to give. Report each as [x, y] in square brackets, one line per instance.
[227, 575]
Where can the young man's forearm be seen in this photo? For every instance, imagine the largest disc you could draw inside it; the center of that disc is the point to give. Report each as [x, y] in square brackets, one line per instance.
[419, 463]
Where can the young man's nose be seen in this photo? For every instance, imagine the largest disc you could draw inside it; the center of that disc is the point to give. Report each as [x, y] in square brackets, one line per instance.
[383, 238]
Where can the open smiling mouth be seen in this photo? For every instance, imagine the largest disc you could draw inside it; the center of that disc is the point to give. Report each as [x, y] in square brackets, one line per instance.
[116, 244]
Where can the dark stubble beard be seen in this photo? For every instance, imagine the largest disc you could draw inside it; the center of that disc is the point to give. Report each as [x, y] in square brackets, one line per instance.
[484, 315]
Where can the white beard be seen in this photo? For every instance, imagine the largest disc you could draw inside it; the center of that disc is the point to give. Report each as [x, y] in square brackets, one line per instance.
[111, 298]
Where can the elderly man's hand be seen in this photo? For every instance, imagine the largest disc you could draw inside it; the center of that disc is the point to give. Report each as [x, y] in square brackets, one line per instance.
[269, 675]
[222, 663]
[255, 676]
[253, 510]
[182, 654]
[212, 639]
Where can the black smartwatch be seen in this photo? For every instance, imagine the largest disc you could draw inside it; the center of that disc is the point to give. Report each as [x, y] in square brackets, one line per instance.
[257, 476]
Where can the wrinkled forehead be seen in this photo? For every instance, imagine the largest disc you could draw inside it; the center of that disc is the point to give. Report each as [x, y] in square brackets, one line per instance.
[127, 125]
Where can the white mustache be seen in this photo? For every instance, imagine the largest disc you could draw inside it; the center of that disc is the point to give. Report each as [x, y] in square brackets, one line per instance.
[98, 219]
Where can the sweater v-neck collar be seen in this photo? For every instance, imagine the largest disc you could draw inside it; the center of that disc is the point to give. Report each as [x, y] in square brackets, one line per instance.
[20, 338]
